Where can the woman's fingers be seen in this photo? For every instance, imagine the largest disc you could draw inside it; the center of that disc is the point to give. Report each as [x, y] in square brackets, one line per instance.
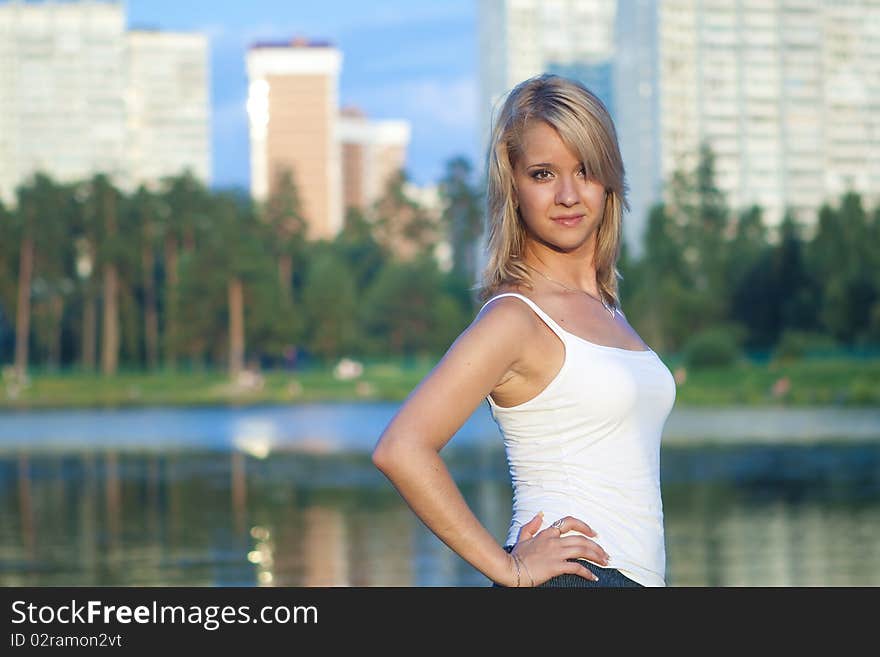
[572, 524]
[548, 553]
[577, 545]
[588, 550]
[577, 568]
[531, 527]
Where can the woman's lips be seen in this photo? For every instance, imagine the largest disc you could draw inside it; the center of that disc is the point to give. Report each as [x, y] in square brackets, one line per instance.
[569, 221]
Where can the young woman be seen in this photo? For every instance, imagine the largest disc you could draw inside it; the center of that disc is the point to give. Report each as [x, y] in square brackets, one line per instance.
[580, 400]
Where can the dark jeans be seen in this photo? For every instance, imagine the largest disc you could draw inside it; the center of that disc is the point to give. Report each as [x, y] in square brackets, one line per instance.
[608, 578]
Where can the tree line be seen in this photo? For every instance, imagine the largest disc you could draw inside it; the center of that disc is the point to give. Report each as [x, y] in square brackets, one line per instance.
[182, 276]
[709, 275]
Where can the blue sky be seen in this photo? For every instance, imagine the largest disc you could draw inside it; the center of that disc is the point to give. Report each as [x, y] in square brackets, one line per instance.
[401, 60]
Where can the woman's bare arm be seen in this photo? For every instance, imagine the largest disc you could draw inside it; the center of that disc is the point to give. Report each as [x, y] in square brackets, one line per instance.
[408, 450]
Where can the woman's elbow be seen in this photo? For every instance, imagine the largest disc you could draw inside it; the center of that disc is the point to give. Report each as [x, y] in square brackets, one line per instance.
[396, 450]
[384, 455]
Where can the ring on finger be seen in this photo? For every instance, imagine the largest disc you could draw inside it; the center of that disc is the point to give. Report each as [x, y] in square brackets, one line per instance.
[558, 524]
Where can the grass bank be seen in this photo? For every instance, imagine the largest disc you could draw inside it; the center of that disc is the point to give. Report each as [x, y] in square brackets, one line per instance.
[843, 381]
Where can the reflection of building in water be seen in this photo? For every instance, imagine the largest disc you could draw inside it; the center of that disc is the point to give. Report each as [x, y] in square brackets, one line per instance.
[727, 542]
[755, 548]
[277, 541]
[238, 487]
[26, 507]
[263, 555]
[85, 506]
[172, 518]
[382, 549]
[173, 490]
[113, 497]
[329, 541]
[153, 495]
[325, 547]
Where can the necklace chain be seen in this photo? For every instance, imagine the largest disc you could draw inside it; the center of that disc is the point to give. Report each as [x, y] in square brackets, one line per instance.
[574, 289]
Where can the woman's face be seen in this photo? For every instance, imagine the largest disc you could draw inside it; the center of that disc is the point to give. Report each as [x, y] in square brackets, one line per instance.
[559, 205]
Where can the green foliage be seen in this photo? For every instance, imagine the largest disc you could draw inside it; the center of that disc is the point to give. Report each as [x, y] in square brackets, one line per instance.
[777, 291]
[845, 256]
[329, 304]
[357, 245]
[714, 347]
[462, 216]
[747, 246]
[700, 214]
[10, 239]
[795, 345]
[47, 212]
[400, 224]
[404, 312]
[283, 213]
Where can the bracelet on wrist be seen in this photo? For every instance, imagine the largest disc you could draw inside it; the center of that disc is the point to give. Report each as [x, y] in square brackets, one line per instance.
[531, 579]
[516, 563]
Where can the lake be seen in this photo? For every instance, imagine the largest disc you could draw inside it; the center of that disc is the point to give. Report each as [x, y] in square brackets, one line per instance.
[288, 496]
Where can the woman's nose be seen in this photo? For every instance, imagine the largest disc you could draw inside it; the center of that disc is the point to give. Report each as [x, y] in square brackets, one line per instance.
[566, 193]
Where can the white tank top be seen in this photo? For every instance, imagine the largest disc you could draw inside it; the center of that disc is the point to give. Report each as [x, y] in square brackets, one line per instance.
[588, 445]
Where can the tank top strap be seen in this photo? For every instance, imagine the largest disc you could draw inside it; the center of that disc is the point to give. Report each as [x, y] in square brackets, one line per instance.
[549, 321]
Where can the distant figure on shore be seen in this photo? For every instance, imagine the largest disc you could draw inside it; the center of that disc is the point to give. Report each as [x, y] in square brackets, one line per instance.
[580, 400]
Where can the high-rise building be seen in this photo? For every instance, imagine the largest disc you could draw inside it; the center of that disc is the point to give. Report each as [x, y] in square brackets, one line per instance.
[62, 91]
[79, 95]
[785, 94]
[637, 113]
[168, 105]
[523, 38]
[293, 112]
[372, 152]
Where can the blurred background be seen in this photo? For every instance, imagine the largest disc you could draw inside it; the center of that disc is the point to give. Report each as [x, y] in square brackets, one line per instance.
[234, 236]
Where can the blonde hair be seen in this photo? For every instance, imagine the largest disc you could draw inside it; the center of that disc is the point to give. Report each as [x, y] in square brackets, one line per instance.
[585, 126]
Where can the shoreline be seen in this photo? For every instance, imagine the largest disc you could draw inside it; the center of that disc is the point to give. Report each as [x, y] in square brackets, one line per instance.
[840, 382]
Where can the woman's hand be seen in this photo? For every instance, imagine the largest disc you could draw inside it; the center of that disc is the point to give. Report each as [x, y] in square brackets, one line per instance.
[546, 554]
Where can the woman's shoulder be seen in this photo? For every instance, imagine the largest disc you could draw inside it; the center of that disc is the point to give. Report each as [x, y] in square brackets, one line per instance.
[537, 297]
[509, 314]
[499, 297]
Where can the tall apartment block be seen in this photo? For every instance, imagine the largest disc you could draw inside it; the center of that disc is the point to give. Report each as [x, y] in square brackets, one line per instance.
[372, 152]
[168, 116]
[786, 94]
[522, 38]
[62, 99]
[293, 108]
[80, 95]
[637, 112]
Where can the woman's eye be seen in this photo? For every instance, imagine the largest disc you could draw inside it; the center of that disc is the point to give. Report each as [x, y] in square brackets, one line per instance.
[543, 174]
[582, 171]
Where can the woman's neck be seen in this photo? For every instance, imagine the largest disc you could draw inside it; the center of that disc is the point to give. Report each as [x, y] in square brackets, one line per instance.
[574, 272]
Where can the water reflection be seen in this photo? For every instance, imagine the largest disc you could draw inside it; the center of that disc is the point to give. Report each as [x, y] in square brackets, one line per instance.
[735, 516]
